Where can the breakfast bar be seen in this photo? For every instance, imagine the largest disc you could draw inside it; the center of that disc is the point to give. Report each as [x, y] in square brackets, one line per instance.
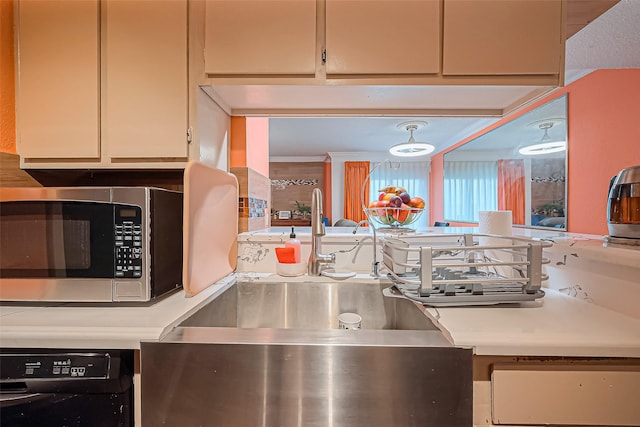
[562, 330]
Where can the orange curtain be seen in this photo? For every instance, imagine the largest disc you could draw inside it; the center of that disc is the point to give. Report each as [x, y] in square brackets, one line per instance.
[355, 174]
[511, 191]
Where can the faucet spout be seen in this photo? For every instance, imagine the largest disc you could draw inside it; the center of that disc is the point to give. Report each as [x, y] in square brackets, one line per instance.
[375, 265]
[317, 259]
[317, 223]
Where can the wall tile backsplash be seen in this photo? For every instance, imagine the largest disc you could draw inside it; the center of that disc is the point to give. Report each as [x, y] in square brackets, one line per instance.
[250, 207]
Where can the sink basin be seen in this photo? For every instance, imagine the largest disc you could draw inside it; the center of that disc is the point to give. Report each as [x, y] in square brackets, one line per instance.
[309, 305]
[271, 354]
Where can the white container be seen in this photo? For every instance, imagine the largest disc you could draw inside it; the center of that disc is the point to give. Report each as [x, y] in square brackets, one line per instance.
[499, 223]
[291, 269]
[349, 321]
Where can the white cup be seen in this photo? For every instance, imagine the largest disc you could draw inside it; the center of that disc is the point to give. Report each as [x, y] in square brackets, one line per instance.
[349, 321]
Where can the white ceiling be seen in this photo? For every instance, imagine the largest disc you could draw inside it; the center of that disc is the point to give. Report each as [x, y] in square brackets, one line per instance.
[610, 41]
[307, 137]
[525, 130]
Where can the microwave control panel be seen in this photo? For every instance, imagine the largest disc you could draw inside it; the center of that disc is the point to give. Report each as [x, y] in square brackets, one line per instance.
[128, 241]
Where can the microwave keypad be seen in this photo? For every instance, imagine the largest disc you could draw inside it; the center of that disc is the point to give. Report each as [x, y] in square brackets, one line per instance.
[128, 238]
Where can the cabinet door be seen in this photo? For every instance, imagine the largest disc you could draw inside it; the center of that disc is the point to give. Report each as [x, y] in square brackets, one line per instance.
[144, 83]
[575, 394]
[383, 37]
[493, 37]
[58, 79]
[260, 37]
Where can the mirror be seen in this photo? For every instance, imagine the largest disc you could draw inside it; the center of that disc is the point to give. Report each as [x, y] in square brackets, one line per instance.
[519, 166]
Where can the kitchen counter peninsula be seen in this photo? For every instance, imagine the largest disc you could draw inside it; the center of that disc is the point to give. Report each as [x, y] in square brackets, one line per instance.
[575, 318]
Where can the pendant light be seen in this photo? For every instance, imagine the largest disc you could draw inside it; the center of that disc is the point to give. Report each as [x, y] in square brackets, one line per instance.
[411, 148]
[545, 146]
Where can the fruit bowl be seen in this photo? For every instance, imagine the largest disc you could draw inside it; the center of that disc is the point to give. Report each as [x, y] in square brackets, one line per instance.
[393, 217]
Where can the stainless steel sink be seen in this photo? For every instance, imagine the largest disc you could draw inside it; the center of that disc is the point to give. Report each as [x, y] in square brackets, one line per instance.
[309, 305]
[271, 354]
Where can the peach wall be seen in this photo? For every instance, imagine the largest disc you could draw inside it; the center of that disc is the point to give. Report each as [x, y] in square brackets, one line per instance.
[604, 137]
[258, 140]
[250, 132]
[238, 142]
[7, 80]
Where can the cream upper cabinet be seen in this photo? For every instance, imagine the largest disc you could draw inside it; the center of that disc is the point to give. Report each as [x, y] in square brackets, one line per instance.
[58, 79]
[144, 82]
[260, 37]
[384, 42]
[102, 84]
[383, 37]
[497, 37]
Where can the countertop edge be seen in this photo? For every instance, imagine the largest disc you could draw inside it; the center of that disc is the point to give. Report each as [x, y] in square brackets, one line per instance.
[154, 322]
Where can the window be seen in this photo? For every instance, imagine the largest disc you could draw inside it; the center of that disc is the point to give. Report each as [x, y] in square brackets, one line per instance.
[470, 187]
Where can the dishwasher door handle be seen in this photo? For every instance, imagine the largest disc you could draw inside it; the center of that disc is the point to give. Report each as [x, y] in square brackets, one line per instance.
[13, 399]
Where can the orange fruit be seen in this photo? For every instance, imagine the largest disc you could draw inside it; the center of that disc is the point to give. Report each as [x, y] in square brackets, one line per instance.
[403, 213]
[416, 202]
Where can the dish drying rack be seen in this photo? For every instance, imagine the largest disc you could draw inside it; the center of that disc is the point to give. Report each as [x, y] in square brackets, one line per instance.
[465, 269]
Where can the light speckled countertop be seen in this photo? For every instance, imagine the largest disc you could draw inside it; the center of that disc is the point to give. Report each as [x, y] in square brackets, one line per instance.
[556, 325]
[98, 327]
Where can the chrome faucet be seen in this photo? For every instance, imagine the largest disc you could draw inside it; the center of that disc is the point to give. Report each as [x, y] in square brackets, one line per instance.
[317, 231]
[374, 264]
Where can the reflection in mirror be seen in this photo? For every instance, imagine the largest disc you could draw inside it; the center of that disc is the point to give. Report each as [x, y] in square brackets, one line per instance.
[519, 166]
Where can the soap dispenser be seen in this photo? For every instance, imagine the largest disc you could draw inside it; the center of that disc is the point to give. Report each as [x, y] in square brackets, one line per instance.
[293, 243]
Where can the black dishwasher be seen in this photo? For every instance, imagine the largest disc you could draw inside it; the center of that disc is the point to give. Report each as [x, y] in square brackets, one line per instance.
[57, 388]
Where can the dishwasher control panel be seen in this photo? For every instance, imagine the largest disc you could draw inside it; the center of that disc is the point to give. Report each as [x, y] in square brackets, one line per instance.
[52, 366]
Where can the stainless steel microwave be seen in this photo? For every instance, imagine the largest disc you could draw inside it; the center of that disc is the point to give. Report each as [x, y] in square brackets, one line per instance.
[90, 244]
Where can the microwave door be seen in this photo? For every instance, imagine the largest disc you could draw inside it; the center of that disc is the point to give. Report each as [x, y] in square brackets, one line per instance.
[56, 239]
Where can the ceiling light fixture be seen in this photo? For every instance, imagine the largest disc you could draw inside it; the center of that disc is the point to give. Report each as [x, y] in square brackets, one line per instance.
[411, 148]
[546, 146]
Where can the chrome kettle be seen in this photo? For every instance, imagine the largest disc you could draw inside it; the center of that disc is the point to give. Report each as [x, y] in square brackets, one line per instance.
[623, 207]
